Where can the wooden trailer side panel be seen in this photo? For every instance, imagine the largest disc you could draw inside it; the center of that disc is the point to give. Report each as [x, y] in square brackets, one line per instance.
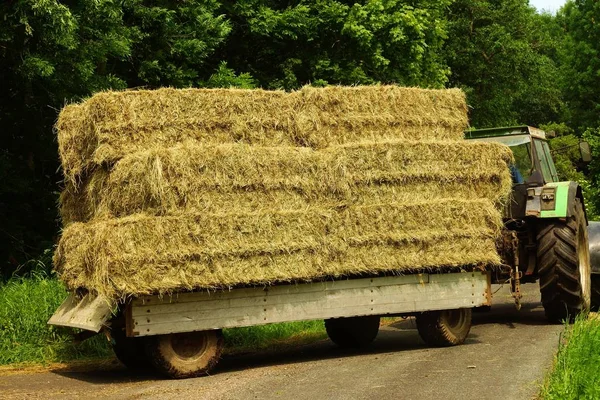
[197, 311]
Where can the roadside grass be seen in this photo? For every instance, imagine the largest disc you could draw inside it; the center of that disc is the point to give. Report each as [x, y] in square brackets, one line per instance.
[576, 372]
[271, 336]
[26, 304]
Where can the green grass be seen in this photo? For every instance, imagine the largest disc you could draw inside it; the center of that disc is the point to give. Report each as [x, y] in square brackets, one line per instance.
[269, 336]
[576, 373]
[26, 304]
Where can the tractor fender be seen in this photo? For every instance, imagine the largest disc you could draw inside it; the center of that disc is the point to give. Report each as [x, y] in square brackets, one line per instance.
[565, 195]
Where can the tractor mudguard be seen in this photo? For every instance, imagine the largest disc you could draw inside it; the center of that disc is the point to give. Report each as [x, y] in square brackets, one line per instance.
[565, 194]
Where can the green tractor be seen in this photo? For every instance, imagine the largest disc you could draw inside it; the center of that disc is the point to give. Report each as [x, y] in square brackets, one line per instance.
[545, 234]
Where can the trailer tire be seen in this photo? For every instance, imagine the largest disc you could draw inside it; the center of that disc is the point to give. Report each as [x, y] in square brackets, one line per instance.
[185, 355]
[563, 260]
[444, 328]
[354, 332]
[129, 351]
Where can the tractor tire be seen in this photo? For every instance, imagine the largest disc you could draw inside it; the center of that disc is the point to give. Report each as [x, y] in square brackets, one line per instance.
[129, 351]
[352, 332]
[185, 355]
[563, 260]
[444, 328]
[595, 299]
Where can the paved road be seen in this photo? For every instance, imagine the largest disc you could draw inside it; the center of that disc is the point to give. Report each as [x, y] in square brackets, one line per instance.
[505, 357]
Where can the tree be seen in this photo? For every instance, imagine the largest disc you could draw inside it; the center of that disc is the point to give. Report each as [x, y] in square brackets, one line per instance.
[50, 52]
[287, 44]
[580, 62]
[500, 52]
[174, 43]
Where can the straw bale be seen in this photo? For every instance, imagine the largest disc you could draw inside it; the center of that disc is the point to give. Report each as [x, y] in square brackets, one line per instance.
[110, 125]
[245, 178]
[339, 114]
[141, 254]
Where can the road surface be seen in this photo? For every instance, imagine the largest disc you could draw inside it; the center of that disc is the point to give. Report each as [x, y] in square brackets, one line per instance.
[505, 357]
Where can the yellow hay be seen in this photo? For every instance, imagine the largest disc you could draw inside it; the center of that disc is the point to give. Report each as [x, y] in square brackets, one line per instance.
[244, 178]
[140, 254]
[112, 124]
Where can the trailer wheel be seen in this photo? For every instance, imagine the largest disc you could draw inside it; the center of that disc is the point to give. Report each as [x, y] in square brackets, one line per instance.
[185, 355]
[563, 259]
[444, 328]
[130, 351]
[352, 332]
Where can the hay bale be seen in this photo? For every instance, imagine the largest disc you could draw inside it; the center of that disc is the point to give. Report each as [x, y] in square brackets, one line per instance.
[242, 178]
[110, 125]
[141, 254]
[339, 114]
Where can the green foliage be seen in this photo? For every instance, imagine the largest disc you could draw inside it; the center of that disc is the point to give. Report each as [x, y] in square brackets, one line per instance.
[225, 77]
[592, 136]
[50, 52]
[499, 52]
[269, 336]
[174, 40]
[576, 373]
[288, 44]
[580, 58]
[26, 304]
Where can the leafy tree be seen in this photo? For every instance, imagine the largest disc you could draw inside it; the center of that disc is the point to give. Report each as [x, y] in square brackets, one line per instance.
[580, 59]
[50, 51]
[500, 53]
[286, 44]
[175, 40]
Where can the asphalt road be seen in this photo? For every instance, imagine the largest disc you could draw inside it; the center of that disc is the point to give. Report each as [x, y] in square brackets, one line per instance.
[505, 357]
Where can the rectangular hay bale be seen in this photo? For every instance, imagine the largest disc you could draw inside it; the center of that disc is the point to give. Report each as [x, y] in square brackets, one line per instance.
[110, 125]
[143, 254]
[195, 178]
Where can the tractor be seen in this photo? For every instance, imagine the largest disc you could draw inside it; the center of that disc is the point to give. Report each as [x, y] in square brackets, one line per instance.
[545, 235]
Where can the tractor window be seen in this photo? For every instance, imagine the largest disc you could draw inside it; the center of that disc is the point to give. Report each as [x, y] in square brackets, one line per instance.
[521, 148]
[550, 162]
[522, 153]
[543, 157]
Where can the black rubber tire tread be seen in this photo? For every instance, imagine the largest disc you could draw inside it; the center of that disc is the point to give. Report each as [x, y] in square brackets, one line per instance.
[171, 367]
[354, 332]
[558, 266]
[435, 328]
[595, 306]
[129, 351]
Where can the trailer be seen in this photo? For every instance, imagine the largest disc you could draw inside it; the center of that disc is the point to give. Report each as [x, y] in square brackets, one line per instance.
[180, 334]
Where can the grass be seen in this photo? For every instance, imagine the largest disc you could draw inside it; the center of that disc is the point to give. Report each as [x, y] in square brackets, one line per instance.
[26, 304]
[576, 373]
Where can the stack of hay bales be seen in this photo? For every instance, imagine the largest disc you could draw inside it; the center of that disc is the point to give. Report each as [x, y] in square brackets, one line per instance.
[172, 190]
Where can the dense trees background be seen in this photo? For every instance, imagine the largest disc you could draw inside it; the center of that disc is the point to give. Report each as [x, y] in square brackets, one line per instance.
[516, 65]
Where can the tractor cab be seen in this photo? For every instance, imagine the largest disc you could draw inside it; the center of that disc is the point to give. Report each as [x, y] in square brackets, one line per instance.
[537, 191]
[545, 234]
[530, 149]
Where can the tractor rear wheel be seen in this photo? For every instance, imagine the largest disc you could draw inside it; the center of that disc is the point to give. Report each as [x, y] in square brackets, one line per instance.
[444, 328]
[352, 332]
[563, 260]
[185, 355]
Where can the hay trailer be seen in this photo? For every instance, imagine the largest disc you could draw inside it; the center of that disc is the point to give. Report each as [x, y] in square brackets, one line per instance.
[180, 334]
